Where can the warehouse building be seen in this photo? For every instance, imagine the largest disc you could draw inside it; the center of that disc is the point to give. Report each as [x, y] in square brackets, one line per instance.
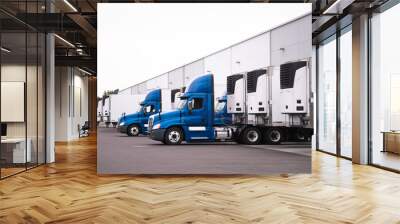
[267, 49]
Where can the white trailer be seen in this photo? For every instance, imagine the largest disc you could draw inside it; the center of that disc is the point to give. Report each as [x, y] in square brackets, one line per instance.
[124, 104]
[99, 110]
[170, 99]
[106, 110]
[276, 100]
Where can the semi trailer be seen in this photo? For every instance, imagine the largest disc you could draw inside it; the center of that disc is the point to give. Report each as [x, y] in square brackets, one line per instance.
[99, 110]
[119, 105]
[106, 111]
[267, 105]
[154, 102]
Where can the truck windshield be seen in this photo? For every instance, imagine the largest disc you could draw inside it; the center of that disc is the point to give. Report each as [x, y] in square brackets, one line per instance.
[220, 105]
[140, 109]
[182, 104]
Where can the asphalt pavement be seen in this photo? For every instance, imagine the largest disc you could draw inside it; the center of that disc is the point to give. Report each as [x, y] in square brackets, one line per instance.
[119, 154]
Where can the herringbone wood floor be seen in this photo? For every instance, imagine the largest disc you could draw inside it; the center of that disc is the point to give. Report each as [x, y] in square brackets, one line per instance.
[69, 191]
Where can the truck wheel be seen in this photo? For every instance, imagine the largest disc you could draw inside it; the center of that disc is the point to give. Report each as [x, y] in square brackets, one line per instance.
[173, 136]
[274, 136]
[251, 136]
[300, 136]
[133, 130]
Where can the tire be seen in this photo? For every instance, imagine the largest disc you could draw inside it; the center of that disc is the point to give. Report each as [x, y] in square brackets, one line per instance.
[300, 136]
[133, 130]
[251, 136]
[274, 136]
[173, 136]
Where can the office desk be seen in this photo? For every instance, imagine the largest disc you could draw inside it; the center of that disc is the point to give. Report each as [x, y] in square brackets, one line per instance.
[391, 141]
[13, 150]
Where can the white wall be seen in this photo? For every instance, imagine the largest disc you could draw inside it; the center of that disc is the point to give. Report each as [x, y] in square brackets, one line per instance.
[71, 102]
[126, 91]
[62, 81]
[219, 64]
[81, 94]
[134, 89]
[193, 70]
[251, 54]
[292, 41]
[159, 82]
[142, 88]
[175, 78]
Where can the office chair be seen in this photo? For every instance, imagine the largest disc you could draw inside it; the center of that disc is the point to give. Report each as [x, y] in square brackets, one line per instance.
[84, 130]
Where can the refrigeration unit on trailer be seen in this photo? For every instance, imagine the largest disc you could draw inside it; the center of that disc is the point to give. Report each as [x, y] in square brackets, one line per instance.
[265, 105]
[154, 102]
[99, 110]
[106, 110]
[277, 102]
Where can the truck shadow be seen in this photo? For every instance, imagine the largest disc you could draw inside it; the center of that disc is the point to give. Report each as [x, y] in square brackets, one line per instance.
[285, 144]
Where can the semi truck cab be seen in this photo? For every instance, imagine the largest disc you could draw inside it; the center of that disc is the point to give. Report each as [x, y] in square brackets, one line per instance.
[136, 123]
[194, 119]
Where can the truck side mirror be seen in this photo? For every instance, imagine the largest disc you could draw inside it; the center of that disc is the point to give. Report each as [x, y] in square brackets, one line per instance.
[190, 106]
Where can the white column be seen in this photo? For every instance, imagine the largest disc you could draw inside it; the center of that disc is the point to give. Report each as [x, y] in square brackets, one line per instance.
[50, 98]
[50, 92]
[360, 90]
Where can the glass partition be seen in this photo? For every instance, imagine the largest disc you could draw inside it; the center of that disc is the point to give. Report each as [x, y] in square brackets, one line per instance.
[32, 95]
[15, 150]
[385, 89]
[327, 95]
[41, 88]
[22, 63]
[346, 92]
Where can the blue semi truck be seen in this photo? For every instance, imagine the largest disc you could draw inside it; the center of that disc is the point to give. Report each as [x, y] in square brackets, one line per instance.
[136, 123]
[262, 106]
[155, 101]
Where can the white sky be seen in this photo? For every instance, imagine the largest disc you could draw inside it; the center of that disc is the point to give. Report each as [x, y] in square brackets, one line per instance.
[139, 41]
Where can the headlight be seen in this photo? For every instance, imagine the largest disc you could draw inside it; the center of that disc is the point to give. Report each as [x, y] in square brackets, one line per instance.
[121, 124]
[157, 126]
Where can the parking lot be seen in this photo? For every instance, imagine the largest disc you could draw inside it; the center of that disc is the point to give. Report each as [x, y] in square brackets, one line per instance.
[120, 154]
